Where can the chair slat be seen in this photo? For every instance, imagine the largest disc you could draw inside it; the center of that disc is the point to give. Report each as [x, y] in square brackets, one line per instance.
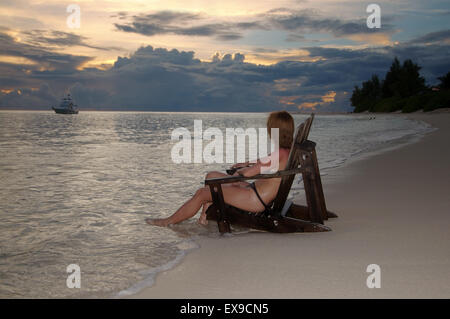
[301, 135]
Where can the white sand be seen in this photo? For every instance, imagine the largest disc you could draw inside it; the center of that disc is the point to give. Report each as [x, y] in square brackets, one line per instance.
[394, 211]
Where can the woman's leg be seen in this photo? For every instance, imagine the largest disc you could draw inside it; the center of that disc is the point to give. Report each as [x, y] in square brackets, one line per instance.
[240, 197]
[189, 209]
[215, 174]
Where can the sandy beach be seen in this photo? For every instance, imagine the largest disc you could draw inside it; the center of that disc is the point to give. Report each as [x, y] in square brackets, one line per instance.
[394, 211]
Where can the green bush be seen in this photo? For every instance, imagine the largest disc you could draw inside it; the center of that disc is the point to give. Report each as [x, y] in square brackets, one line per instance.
[437, 100]
[415, 103]
[390, 104]
[427, 101]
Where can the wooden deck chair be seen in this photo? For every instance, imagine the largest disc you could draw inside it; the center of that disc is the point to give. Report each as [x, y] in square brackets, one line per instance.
[283, 216]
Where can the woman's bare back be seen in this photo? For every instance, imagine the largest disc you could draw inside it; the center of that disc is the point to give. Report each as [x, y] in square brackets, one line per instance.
[268, 188]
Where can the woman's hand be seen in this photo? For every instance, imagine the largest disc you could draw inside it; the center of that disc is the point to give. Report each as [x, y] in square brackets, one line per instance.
[239, 165]
[244, 172]
[250, 170]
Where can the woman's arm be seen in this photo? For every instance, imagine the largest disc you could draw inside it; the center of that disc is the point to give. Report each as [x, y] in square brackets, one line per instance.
[250, 171]
[239, 165]
[246, 164]
[255, 169]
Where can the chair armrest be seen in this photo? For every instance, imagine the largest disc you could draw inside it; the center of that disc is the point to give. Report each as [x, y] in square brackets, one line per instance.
[233, 179]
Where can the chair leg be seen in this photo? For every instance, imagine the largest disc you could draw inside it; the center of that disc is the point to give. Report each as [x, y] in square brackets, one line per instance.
[318, 184]
[219, 203]
[224, 226]
[311, 199]
[331, 214]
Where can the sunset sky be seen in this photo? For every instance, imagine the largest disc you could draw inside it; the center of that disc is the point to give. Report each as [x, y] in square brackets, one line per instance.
[199, 55]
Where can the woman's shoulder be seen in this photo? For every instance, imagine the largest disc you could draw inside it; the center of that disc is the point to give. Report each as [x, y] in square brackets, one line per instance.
[281, 152]
[280, 155]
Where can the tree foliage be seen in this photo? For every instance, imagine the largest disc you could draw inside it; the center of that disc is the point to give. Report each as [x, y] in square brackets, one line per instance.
[445, 81]
[403, 80]
[366, 97]
[403, 88]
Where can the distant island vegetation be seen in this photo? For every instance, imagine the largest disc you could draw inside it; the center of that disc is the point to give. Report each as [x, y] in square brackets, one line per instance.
[403, 89]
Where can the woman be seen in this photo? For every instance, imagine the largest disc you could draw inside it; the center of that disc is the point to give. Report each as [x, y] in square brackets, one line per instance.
[253, 197]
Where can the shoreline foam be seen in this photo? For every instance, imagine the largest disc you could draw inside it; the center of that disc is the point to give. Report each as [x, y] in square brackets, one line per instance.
[151, 273]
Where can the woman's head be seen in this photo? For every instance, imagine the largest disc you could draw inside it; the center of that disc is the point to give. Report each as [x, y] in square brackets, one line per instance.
[285, 123]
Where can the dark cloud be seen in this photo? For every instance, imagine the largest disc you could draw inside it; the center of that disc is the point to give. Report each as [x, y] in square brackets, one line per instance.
[40, 55]
[265, 50]
[161, 79]
[203, 30]
[229, 36]
[141, 28]
[58, 38]
[167, 17]
[26, 97]
[171, 22]
[307, 21]
[302, 21]
[295, 38]
[433, 37]
[221, 31]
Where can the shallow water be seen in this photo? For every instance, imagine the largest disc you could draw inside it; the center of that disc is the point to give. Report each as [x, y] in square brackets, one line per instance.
[76, 190]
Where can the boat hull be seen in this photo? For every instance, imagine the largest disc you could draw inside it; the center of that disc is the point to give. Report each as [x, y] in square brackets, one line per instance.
[64, 111]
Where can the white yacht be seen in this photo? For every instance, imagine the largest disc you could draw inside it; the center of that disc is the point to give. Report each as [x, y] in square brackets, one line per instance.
[67, 106]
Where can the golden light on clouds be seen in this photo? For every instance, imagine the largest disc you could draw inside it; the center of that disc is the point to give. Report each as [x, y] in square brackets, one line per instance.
[16, 60]
[378, 38]
[268, 58]
[298, 54]
[289, 100]
[98, 64]
[287, 84]
[308, 105]
[328, 97]
[98, 18]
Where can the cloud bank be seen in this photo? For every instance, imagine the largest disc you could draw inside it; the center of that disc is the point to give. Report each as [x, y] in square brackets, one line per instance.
[303, 21]
[161, 79]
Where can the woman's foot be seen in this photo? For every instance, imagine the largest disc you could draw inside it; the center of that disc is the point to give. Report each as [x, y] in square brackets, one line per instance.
[202, 219]
[162, 222]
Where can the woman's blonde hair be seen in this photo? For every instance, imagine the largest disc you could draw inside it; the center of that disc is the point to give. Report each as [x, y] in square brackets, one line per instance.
[285, 123]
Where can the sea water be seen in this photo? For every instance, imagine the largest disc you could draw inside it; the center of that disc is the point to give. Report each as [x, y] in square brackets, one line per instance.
[76, 189]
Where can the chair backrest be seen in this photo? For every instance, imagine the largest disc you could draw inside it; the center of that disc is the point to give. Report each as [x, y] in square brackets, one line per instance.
[301, 135]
